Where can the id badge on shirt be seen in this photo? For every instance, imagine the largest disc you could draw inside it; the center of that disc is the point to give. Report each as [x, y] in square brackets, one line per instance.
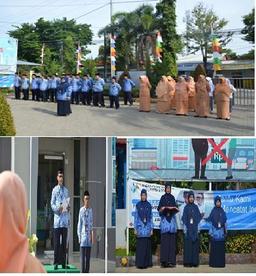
[191, 221]
[145, 220]
[219, 225]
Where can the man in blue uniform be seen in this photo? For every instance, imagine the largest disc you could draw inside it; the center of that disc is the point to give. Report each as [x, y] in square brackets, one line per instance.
[34, 86]
[76, 86]
[98, 88]
[60, 206]
[43, 88]
[38, 91]
[25, 87]
[86, 86]
[85, 233]
[54, 86]
[128, 85]
[17, 84]
[114, 90]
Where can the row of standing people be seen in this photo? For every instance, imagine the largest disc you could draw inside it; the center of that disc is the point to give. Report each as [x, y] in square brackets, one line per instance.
[191, 217]
[81, 89]
[187, 95]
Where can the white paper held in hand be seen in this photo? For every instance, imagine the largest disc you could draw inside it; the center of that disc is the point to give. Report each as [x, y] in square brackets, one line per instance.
[65, 204]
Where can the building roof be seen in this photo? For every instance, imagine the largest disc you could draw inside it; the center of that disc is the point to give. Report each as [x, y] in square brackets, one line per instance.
[24, 62]
[189, 63]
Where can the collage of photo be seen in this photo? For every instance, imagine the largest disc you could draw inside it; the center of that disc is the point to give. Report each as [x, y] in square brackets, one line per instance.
[127, 137]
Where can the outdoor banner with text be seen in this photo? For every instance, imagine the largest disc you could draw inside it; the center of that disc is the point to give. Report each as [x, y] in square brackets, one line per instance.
[239, 205]
[8, 60]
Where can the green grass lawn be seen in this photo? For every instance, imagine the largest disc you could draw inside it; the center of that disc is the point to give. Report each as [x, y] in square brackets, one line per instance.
[121, 252]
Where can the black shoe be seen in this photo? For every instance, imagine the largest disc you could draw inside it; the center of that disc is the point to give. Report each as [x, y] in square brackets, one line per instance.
[229, 177]
[65, 267]
[55, 267]
[203, 177]
[164, 265]
[171, 265]
[195, 177]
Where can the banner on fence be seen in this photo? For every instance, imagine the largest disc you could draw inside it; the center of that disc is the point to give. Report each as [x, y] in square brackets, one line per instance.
[239, 205]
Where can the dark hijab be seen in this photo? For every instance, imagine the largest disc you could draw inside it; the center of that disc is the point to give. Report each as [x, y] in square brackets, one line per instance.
[217, 214]
[144, 209]
[167, 200]
[191, 211]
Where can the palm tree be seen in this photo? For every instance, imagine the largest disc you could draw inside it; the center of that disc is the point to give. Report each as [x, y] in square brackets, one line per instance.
[131, 30]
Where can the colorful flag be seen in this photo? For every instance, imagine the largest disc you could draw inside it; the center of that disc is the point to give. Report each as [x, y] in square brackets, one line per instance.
[216, 48]
[159, 47]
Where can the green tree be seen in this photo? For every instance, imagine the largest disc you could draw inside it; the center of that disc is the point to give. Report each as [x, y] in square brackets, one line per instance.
[249, 23]
[69, 54]
[166, 15]
[60, 37]
[248, 56]
[201, 23]
[131, 29]
[90, 67]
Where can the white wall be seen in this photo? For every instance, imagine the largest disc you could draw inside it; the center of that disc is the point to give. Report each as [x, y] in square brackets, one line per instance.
[121, 222]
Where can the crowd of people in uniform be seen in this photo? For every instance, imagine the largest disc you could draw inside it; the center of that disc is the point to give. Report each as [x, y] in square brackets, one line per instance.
[183, 95]
[190, 218]
[72, 89]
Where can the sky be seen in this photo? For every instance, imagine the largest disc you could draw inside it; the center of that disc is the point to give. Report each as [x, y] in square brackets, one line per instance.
[14, 12]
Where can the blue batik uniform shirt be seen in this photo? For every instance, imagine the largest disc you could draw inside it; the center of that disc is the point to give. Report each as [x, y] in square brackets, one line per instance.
[76, 85]
[85, 226]
[34, 85]
[98, 85]
[59, 194]
[54, 83]
[143, 219]
[17, 81]
[86, 85]
[114, 89]
[44, 85]
[128, 85]
[25, 83]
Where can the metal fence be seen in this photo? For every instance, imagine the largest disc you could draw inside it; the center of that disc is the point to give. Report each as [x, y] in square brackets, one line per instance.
[245, 91]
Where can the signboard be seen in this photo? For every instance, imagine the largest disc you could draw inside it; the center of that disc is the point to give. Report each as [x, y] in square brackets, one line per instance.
[239, 205]
[8, 55]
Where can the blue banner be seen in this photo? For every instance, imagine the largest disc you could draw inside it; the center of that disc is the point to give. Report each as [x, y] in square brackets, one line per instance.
[6, 81]
[239, 205]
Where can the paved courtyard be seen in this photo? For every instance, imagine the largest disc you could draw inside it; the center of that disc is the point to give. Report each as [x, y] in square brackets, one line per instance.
[40, 119]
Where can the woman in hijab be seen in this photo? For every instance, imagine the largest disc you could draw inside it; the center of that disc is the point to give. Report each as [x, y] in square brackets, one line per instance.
[222, 98]
[63, 98]
[217, 232]
[163, 96]
[14, 252]
[191, 218]
[191, 94]
[171, 89]
[167, 209]
[145, 87]
[202, 97]
[181, 97]
[143, 228]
